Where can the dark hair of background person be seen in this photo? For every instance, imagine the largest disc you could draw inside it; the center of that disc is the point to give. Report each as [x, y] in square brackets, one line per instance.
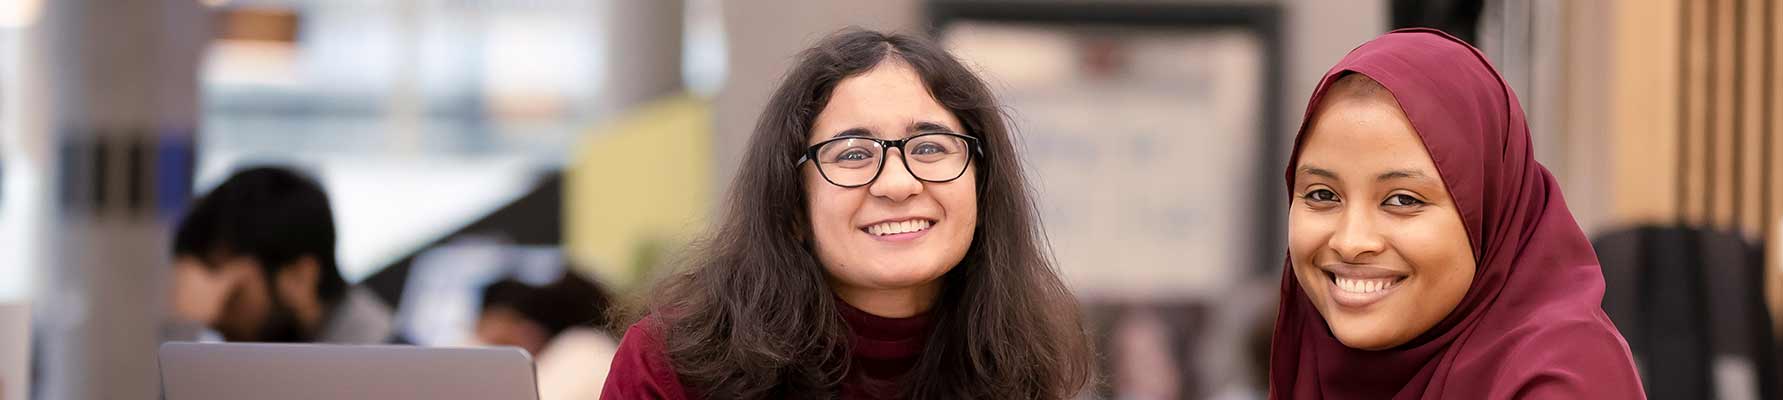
[752, 316]
[274, 215]
[506, 293]
[571, 301]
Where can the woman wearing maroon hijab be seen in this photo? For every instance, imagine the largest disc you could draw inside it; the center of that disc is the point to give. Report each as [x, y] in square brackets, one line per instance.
[1430, 256]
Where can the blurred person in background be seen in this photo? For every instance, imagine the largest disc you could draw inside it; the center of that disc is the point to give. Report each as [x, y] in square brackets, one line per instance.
[878, 242]
[1430, 255]
[561, 324]
[254, 260]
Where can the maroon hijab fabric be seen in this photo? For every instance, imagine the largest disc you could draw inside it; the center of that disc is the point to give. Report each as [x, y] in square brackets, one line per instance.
[1532, 324]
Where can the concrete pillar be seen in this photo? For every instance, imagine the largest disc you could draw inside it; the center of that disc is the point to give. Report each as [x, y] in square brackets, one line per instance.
[644, 41]
[119, 80]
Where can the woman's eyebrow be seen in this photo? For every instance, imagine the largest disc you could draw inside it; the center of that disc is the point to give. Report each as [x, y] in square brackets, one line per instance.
[915, 128]
[929, 127]
[1398, 174]
[1383, 177]
[1319, 172]
[853, 132]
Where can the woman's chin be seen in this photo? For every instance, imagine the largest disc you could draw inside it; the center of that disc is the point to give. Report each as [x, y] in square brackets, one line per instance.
[1366, 337]
[896, 278]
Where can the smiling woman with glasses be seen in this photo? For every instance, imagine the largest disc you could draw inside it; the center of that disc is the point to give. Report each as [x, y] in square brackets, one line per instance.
[896, 256]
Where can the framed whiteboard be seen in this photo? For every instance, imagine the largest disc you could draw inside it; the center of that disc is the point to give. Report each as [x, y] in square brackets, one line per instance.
[1149, 132]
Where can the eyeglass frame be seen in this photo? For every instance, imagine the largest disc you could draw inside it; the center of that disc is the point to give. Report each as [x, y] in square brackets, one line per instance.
[885, 146]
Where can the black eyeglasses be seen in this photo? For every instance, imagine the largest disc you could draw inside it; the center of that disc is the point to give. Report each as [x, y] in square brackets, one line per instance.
[854, 161]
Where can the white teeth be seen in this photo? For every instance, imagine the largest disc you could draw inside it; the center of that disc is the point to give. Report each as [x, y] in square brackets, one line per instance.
[1364, 285]
[893, 228]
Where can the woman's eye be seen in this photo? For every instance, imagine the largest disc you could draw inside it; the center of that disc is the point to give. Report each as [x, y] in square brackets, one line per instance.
[1400, 200]
[929, 148]
[854, 155]
[1321, 195]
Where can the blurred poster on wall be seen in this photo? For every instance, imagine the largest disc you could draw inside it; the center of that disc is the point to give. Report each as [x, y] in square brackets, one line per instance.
[1142, 143]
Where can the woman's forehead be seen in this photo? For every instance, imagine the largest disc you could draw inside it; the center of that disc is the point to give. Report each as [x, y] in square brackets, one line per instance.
[881, 104]
[1359, 138]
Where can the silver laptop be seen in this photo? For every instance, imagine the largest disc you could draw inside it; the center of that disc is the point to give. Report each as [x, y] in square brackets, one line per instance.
[227, 371]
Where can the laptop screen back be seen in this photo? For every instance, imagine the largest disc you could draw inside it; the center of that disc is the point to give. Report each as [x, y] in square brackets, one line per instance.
[220, 371]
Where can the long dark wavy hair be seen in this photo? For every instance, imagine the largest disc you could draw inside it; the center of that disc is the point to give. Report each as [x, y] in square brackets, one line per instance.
[751, 315]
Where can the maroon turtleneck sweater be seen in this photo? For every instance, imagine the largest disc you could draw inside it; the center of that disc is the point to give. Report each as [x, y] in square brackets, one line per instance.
[884, 350]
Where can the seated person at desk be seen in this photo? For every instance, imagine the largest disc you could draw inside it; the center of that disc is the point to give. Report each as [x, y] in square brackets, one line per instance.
[254, 262]
[561, 324]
